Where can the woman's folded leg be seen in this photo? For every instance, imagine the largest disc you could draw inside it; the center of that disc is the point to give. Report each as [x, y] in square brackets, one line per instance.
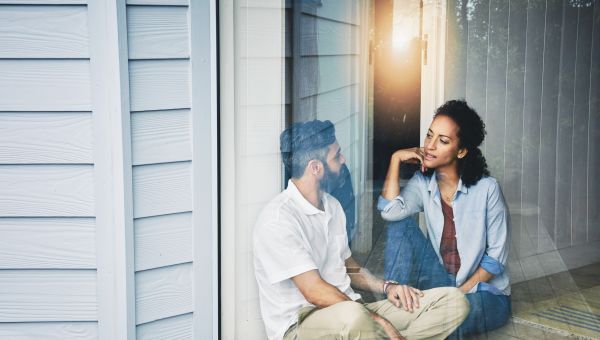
[488, 312]
[410, 258]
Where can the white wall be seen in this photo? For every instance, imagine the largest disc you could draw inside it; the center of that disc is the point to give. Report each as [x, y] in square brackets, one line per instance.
[252, 116]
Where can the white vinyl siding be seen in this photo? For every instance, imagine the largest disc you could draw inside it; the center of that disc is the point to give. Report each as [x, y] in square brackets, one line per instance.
[104, 214]
[161, 130]
[47, 198]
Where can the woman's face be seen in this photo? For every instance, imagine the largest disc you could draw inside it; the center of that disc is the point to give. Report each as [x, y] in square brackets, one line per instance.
[441, 145]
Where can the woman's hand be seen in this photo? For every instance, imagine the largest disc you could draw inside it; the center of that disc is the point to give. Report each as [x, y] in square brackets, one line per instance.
[391, 187]
[411, 156]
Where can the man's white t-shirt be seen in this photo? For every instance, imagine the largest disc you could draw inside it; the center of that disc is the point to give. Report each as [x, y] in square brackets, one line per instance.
[291, 237]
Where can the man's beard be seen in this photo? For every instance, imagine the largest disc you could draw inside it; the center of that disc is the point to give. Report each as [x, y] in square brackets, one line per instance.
[331, 180]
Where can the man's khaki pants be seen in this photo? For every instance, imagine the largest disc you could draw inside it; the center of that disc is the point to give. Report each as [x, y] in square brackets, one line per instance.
[441, 311]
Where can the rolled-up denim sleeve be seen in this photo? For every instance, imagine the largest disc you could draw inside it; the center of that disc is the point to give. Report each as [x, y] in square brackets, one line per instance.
[498, 232]
[491, 265]
[410, 201]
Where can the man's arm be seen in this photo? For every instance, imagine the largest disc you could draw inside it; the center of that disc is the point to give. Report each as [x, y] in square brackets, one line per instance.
[322, 294]
[400, 295]
[362, 278]
[317, 291]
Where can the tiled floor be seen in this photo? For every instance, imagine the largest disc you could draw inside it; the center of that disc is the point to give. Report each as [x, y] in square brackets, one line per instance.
[524, 295]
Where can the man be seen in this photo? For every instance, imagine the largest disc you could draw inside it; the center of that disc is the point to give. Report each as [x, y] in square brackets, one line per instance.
[305, 270]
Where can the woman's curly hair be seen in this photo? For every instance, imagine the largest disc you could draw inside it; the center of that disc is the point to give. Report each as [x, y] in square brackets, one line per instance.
[471, 132]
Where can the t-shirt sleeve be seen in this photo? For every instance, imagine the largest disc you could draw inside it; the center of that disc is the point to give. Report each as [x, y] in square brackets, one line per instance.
[281, 251]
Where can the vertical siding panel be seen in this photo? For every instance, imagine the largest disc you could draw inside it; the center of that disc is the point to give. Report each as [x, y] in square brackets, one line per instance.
[594, 133]
[456, 50]
[478, 17]
[531, 119]
[205, 171]
[564, 157]
[580, 126]
[548, 123]
[496, 88]
[515, 77]
[112, 170]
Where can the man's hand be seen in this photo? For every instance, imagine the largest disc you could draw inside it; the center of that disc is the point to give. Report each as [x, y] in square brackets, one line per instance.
[389, 329]
[404, 296]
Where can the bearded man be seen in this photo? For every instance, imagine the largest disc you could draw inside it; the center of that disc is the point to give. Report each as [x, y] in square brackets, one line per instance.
[305, 270]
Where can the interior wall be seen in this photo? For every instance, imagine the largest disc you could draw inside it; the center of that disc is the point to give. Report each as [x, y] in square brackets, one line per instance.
[531, 70]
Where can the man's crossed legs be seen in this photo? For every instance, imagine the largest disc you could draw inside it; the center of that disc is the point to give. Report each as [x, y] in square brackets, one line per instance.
[441, 311]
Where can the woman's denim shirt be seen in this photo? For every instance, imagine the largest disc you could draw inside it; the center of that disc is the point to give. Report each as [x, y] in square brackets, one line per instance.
[481, 219]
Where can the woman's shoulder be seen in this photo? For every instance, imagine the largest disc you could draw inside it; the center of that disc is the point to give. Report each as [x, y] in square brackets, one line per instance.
[486, 184]
[487, 181]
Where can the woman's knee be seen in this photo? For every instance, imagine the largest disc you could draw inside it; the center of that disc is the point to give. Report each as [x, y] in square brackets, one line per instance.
[488, 312]
[405, 230]
[457, 300]
[408, 222]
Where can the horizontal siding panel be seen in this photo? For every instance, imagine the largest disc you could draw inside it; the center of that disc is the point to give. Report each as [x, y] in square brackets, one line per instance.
[158, 2]
[178, 327]
[332, 72]
[326, 37]
[44, 2]
[163, 293]
[161, 136]
[346, 137]
[334, 105]
[48, 137]
[49, 331]
[159, 84]
[157, 32]
[46, 190]
[43, 32]
[163, 241]
[344, 11]
[48, 295]
[57, 243]
[161, 189]
[45, 85]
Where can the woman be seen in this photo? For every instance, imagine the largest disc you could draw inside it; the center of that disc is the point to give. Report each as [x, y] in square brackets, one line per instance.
[466, 216]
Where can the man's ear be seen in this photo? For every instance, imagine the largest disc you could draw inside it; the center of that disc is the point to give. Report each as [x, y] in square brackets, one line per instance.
[314, 166]
[462, 153]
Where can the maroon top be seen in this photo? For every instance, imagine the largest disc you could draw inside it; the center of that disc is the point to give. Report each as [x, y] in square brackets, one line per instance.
[448, 249]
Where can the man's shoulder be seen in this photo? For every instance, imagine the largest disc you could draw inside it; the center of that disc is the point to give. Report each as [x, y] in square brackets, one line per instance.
[278, 209]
